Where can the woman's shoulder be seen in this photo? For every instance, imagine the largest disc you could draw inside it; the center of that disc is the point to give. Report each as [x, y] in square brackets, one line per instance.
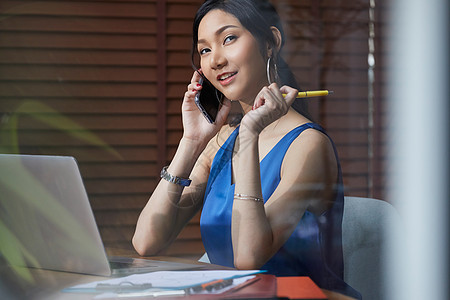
[311, 141]
[313, 138]
[313, 148]
[290, 123]
[308, 129]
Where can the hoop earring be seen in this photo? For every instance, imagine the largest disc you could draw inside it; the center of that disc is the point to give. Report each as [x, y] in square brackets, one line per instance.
[219, 98]
[268, 71]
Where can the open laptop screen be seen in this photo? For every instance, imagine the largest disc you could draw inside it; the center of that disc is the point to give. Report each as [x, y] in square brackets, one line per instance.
[45, 212]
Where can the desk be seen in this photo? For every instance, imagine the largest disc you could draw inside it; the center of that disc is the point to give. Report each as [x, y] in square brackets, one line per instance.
[47, 284]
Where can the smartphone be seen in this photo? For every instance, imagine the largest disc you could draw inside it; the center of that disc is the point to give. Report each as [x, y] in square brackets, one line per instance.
[208, 100]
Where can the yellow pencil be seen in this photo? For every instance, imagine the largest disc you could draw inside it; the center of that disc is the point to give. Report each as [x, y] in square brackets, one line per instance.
[308, 94]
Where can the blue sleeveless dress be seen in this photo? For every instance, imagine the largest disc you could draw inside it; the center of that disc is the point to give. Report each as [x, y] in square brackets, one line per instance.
[315, 247]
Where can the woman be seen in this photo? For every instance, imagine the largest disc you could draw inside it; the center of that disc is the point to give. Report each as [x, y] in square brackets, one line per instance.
[271, 192]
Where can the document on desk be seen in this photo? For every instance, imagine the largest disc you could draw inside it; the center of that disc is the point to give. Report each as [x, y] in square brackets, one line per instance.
[174, 280]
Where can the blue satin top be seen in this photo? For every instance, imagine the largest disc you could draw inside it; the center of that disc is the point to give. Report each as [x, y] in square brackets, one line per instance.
[315, 247]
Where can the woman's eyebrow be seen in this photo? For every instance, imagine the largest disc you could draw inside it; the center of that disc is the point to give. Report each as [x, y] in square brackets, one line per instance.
[218, 32]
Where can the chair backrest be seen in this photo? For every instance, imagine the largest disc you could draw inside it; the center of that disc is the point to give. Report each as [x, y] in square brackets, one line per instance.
[364, 225]
[204, 258]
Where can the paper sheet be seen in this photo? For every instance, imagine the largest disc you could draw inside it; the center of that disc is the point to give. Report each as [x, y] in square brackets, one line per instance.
[166, 279]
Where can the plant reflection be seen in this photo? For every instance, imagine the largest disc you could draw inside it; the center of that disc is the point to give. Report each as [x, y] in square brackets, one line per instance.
[17, 182]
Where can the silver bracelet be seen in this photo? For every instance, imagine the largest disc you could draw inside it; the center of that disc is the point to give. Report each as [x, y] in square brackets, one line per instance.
[247, 197]
[174, 179]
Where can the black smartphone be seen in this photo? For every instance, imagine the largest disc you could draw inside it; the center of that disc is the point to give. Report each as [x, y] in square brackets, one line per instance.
[208, 100]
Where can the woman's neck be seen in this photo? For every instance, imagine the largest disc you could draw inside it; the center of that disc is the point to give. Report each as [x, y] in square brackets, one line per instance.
[246, 107]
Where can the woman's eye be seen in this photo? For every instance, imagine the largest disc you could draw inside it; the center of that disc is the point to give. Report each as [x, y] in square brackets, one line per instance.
[203, 51]
[229, 39]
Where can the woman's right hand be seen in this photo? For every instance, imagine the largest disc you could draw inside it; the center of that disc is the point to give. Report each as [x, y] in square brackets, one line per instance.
[196, 127]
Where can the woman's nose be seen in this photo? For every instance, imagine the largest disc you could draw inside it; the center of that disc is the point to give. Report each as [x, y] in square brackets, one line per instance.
[218, 60]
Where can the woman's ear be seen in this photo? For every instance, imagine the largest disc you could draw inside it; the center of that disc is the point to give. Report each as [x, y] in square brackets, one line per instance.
[278, 41]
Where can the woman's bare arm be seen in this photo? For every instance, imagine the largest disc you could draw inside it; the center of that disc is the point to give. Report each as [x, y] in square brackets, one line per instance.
[309, 173]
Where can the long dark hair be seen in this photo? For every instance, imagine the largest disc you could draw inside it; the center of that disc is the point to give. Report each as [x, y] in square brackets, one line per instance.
[257, 16]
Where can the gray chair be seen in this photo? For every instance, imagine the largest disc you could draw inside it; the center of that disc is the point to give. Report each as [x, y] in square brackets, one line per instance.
[364, 225]
[363, 236]
[204, 258]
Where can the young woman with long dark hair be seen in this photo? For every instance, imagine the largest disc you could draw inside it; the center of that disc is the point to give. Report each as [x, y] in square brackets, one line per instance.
[271, 193]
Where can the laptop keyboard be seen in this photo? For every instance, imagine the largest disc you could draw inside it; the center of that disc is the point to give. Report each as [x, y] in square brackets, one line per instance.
[130, 264]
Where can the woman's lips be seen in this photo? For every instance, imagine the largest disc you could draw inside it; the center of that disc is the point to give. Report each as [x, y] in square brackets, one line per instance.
[226, 78]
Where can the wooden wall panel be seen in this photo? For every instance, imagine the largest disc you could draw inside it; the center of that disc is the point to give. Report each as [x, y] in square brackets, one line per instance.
[380, 119]
[328, 46]
[80, 78]
[180, 15]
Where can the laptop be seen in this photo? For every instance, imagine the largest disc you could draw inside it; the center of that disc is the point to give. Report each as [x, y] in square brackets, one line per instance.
[49, 224]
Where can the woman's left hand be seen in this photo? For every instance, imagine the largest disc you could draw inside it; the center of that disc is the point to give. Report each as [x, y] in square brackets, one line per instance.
[269, 106]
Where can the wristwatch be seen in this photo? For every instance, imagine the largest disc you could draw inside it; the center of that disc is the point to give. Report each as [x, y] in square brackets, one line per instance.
[174, 179]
